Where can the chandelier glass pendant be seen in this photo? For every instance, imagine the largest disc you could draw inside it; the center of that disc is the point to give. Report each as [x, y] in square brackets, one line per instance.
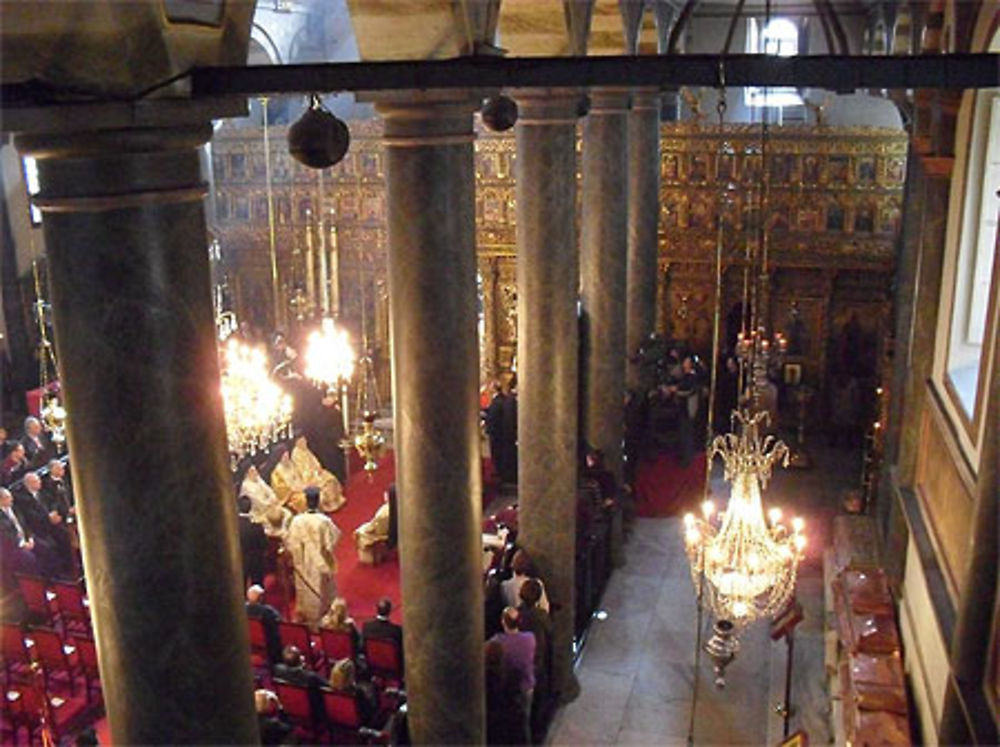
[258, 412]
[748, 563]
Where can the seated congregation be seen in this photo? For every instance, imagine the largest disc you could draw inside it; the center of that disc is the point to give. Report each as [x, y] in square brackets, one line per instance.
[320, 676]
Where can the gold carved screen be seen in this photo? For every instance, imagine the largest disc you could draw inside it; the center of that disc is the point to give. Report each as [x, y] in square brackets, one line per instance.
[833, 208]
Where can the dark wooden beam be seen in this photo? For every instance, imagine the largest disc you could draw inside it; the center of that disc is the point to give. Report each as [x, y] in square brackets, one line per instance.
[831, 72]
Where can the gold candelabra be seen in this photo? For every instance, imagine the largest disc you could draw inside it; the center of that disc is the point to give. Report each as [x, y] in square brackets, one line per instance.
[369, 442]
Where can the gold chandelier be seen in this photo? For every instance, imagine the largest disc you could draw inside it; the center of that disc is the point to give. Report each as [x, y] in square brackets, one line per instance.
[258, 412]
[745, 565]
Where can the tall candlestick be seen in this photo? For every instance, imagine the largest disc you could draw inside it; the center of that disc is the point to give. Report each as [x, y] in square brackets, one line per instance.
[334, 271]
[324, 269]
[310, 264]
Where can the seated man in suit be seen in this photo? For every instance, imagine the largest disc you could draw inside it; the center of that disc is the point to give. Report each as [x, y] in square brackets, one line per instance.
[37, 447]
[57, 495]
[292, 670]
[53, 546]
[383, 628]
[270, 617]
[14, 465]
[16, 545]
[57, 491]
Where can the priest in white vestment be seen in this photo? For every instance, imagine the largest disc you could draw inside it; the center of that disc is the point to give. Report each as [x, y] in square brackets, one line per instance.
[312, 537]
[262, 496]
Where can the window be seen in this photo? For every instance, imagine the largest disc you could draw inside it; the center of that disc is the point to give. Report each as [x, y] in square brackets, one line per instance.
[779, 37]
[31, 183]
[977, 249]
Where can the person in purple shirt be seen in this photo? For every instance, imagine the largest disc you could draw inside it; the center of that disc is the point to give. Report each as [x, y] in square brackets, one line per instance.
[518, 656]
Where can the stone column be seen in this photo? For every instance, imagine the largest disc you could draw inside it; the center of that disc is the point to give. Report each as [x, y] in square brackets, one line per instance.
[643, 222]
[432, 283]
[129, 274]
[603, 252]
[547, 353]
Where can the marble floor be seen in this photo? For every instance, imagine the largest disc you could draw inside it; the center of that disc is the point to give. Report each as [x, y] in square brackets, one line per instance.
[636, 671]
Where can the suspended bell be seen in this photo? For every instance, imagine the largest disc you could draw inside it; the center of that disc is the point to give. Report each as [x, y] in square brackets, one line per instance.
[499, 113]
[319, 139]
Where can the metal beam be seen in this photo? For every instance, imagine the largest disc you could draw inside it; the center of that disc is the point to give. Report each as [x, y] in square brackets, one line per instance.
[832, 72]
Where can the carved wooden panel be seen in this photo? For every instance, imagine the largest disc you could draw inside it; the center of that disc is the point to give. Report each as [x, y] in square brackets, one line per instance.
[946, 499]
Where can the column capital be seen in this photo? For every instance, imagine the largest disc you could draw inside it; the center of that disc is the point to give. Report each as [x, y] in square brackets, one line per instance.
[125, 140]
[436, 117]
[645, 98]
[101, 170]
[548, 105]
[74, 120]
[609, 99]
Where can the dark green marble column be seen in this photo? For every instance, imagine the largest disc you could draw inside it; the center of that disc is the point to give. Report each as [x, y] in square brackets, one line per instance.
[547, 353]
[643, 222]
[603, 253]
[129, 275]
[432, 283]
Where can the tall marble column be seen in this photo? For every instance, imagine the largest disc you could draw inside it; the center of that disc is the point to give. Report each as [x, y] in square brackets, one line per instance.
[603, 252]
[432, 283]
[547, 353]
[129, 275]
[643, 222]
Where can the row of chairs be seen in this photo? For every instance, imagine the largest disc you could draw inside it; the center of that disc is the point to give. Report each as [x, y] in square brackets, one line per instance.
[23, 650]
[341, 718]
[24, 705]
[31, 660]
[56, 602]
[321, 651]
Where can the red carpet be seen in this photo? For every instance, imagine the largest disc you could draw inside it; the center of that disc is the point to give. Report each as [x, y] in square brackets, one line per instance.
[360, 584]
[664, 488]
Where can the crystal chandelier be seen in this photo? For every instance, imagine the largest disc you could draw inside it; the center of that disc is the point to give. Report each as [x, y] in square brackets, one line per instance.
[258, 412]
[743, 564]
[329, 356]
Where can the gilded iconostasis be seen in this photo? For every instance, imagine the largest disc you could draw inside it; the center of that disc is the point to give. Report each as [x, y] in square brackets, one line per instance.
[830, 200]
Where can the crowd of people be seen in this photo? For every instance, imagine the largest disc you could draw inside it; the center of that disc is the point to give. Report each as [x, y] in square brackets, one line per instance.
[38, 534]
[354, 675]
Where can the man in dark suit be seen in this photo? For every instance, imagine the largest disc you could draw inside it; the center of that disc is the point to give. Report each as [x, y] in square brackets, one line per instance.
[270, 617]
[383, 628]
[253, 544]
[52, 544]
[293, 671]
[57, 495]
[16, 545]
[37, 447]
